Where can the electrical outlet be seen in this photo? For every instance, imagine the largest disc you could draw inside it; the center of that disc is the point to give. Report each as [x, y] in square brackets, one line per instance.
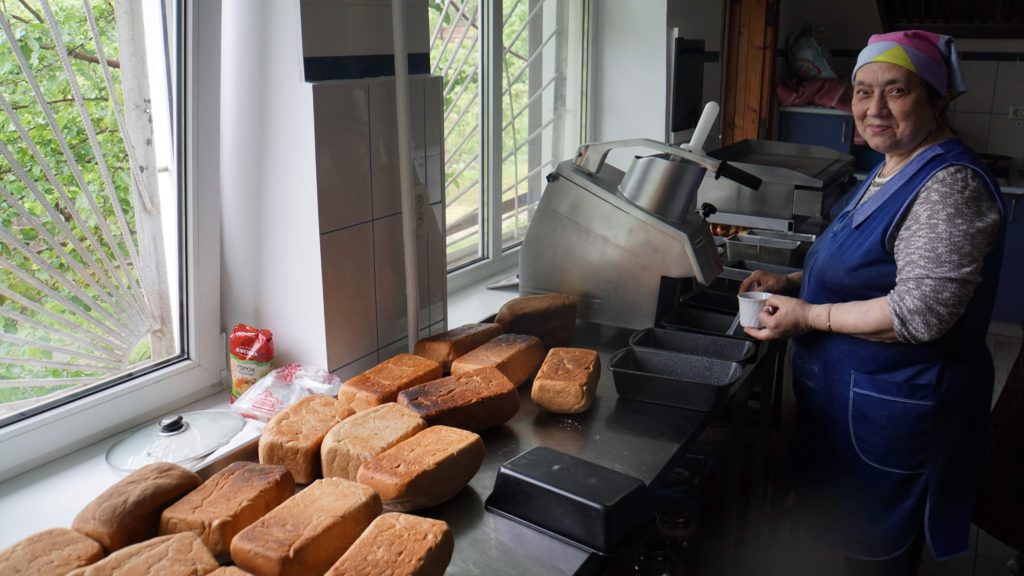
[1017, 112]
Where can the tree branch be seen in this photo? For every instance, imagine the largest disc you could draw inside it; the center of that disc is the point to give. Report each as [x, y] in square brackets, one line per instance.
[24, 4]
[78, 54]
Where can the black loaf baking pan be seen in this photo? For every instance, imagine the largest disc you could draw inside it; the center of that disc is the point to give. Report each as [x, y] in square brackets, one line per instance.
[705, 321]
[674, 379]
[575, 500]
[695, 344]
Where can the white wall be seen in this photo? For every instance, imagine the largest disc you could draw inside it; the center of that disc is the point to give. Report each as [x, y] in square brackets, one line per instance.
[271, 244]
[628, 70]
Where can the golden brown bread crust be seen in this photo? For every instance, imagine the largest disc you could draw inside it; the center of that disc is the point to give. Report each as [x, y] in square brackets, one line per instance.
[54, 551]
[309, 532]
[398, 544]
[362, 436]
[472, 401]
[424, 470]
[129, 511]
[517, 356]
[227, 502]
[550, 317]
[229, 571]
[383, 382]
[174, 555]
[446, 347]
[567, 381]
[292, 438]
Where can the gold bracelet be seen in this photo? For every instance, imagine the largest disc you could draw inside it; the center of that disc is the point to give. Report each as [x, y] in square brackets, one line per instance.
[828, 319]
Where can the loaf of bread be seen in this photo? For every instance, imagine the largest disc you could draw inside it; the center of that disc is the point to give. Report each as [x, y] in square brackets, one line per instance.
[309, 532]
[54, 551]
[517, 356]
[229, 571]
[129, 511]
[550, 317]
[399, 544]
[446, 347]
[227, 502]
[424, 470]
[383, 382]
[173, 555]
[472, 401]
[362, 436]
[567, 381]
[292, 438]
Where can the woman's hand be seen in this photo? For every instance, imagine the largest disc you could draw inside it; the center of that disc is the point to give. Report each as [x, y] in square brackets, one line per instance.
[771, 282]
[782, 317]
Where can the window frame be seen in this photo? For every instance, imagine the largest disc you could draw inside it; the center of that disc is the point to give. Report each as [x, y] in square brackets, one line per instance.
[197, 374]
[498, 260]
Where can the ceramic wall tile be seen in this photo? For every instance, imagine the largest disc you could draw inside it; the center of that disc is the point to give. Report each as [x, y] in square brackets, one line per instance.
[323, 25]
[437, 274]
[348, 286]
[972, 128]
[389, 274]
[401, 345]
[1006, 137]
[356, 367]
[368, 30]
[981, 84]
[1009, 89]
[384, 143]
[342, 131]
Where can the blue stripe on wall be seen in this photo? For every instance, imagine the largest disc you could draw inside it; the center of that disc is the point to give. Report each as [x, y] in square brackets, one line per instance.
[321, 68]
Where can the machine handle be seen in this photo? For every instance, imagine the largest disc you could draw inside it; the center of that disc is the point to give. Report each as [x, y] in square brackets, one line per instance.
[590, 159]
[737, 175]
[842, 133]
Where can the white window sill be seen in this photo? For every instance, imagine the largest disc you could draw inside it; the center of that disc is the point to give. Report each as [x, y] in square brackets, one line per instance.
[476, 302]
[51, 495]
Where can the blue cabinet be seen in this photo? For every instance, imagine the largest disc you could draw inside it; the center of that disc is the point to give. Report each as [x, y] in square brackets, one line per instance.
[819, 126]
[1010, 297]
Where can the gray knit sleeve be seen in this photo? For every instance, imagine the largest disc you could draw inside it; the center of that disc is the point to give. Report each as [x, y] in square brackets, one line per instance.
[939, 248]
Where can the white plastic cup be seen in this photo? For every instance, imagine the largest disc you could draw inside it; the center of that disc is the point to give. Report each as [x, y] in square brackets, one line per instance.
[751, 304]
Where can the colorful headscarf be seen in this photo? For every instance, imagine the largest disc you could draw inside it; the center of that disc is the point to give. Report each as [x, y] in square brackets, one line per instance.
[931, 56]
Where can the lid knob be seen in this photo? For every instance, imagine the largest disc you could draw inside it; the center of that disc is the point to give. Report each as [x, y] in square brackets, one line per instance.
[172, 425]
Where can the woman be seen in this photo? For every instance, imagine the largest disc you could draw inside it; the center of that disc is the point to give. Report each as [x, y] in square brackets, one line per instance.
[890, 368]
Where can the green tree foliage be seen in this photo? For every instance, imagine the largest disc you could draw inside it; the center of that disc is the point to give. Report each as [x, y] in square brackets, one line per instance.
[34, 40]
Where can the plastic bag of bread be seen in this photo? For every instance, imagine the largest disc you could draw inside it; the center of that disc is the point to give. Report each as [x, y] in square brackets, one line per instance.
[282, 387]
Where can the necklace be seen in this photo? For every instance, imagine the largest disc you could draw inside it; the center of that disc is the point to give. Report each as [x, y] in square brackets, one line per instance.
[886, 172]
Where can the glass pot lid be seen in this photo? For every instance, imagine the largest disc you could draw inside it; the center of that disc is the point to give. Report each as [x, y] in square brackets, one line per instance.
[176, 438]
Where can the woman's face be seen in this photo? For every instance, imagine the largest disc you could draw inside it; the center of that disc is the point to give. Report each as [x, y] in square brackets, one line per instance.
[891, 108]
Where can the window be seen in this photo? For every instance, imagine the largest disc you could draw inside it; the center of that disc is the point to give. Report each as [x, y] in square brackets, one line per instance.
[512, 73]
[109, 313]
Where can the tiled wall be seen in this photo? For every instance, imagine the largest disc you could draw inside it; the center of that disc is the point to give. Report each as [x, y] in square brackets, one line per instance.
[981, 116]
[348, 44]
[361, 221]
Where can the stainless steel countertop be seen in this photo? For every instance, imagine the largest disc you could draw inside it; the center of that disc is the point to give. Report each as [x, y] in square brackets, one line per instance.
[637, 438]
[633, 437]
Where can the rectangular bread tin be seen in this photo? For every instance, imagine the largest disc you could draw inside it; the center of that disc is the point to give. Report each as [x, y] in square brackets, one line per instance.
[575, 500]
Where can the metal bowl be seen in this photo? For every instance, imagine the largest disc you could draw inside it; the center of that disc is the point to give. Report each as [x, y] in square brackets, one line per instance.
[663, 185]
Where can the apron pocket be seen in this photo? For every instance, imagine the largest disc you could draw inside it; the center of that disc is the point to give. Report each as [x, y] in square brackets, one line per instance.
[891, 422]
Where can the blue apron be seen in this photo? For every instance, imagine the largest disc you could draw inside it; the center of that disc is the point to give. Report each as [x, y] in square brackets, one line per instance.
[889, 436]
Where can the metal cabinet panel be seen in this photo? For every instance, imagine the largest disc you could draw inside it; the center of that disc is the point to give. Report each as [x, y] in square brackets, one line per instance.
[822, 128]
